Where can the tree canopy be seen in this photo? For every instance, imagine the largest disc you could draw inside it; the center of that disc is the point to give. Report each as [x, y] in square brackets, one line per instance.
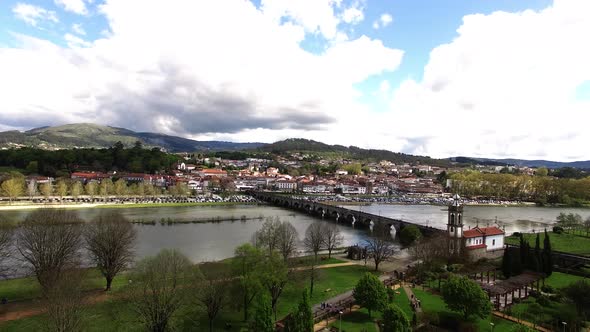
[466, 297]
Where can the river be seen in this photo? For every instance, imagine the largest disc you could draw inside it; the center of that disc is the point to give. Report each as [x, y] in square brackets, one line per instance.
[214, 241]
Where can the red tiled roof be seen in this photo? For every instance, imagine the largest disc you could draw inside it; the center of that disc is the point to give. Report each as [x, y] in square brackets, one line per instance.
[485, 231]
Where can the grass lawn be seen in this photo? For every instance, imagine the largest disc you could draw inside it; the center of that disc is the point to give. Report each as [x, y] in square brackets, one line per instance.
[28, 288]
[551, 313]
[116, 315]
[358, 321]
[434, 304]
[560, 280]
[570, 243]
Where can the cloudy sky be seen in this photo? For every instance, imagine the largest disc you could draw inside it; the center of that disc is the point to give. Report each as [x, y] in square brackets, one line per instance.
[499, 78]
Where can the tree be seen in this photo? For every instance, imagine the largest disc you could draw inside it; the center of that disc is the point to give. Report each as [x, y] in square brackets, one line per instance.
[287, 238]
[579, 294]
[212, 297]
[6, 238]
[32, 188]
[90, 189]
[507, 263]
[159, 290]
[246, 269]
[547, 255]
[61, 188]
[267, 235]
[466, 297]
[13, 187]
[32, 167]
[370, 293]
[379, 246]
[49, 240]
[430, 249]
[274, 277]
[542, 171]
[64, 302]
[106, 187]
[76, 189]
[120, 187]
[46, 189]
[110, 239]
[314, 240]
[409, 234]
[263, 315]
[302, 318]
[395, 320]
[332, 238]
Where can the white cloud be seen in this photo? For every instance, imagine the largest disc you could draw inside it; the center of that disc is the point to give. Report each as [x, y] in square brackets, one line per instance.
[75, 41]
[74, 6]
[32, 14]
[77, 28]
[353, 15]
[203, 71]
[384, 20]
[504, 87]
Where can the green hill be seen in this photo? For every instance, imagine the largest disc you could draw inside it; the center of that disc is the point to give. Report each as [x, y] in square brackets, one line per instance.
[87, 135]
[294, 145]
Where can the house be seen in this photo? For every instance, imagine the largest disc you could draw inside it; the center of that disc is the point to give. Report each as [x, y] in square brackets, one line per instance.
[213, 172]
[476, 243]
[286, 185]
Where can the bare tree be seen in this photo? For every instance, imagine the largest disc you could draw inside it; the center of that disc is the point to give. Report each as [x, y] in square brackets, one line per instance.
[76, 189]
[158, 287]
[46, 189]
[212, 297]
[332, 238]
[61, 189]
[379, 246]
[49, 240]
[266, 237]
[315, 237]
[65, 302]
[32, 188]
[91, 189]
[6, 245]
[110, 239]
[287, 238]
[430, 249]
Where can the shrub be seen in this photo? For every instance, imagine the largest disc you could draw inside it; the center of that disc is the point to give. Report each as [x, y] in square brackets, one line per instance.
[548, 289]
[557, 229]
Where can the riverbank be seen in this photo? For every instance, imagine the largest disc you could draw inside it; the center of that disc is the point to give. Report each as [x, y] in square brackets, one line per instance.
[118, 205]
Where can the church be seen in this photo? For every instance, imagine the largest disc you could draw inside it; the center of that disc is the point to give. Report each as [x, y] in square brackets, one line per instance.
[475, 243]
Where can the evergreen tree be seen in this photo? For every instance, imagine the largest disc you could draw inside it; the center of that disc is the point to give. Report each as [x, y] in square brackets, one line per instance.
[507, 263]
[302, 319]
[395, 320]
[263, 315]
[516, 262]
[547, 255]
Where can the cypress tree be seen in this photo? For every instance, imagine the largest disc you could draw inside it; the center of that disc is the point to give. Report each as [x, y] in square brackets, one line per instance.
[303, 316]
[516, 264]
[507, 263]
[538, 256]
[263, 315]
[547, 255]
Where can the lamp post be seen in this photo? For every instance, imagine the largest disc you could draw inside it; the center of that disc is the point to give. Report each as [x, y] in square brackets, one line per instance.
[340, 313]
[564, 324]
[492, 327]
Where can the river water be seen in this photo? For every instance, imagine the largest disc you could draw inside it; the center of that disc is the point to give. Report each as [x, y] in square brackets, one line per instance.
[217, 240]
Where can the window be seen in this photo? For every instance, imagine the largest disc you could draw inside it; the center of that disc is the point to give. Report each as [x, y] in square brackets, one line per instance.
[452, 219]
[452, 229]
[494, 242]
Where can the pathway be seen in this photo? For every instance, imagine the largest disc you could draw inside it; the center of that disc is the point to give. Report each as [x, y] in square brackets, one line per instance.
[519, 321]
[410, 294]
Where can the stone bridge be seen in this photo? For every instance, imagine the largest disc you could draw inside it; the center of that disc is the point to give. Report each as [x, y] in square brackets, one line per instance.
[353, 218]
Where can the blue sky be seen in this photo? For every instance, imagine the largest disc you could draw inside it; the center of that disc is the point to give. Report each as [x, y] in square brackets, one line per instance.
[272, 69]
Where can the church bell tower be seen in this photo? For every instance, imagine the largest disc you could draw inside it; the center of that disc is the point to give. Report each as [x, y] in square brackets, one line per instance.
[455, 225]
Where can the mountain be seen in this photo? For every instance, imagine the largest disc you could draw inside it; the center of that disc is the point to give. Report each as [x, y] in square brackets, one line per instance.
[301, 145]
[86, 135]
[584, 164]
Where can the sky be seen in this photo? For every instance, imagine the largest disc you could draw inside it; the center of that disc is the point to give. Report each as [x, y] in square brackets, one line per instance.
[480, 78]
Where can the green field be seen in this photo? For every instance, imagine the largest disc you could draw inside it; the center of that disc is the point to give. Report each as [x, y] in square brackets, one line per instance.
[575, 244]
[117, 315]
[560, 280]
[433, 305]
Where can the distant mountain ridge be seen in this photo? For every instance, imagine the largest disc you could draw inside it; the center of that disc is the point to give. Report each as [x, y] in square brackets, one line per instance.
[582, 164]
[351, 152]
[87, 135]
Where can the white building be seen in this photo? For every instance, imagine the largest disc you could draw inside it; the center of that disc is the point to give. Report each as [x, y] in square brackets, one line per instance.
[490, 238]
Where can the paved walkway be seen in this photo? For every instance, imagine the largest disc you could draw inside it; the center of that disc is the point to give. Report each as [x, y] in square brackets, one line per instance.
[325, 266]
[410, 294]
